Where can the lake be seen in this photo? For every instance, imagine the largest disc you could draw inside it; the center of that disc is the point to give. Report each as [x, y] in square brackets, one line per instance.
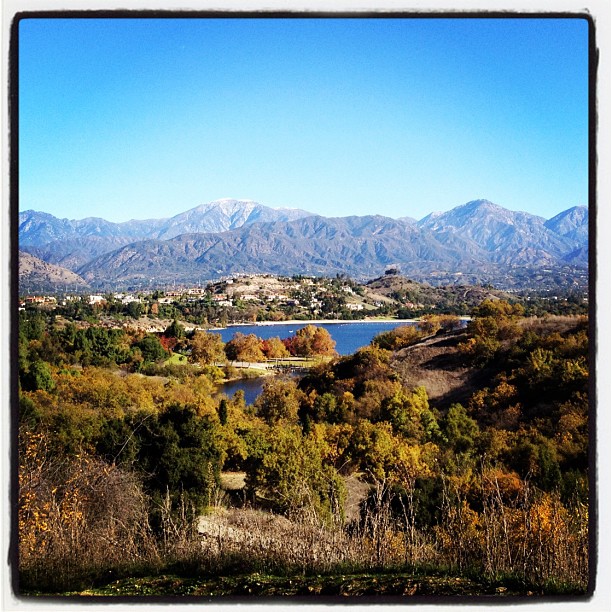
[349, 337]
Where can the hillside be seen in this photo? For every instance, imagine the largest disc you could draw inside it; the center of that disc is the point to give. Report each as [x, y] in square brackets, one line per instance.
[40, 276]
[363, 476]
[396, 288]
[358, 246]
[438, 365]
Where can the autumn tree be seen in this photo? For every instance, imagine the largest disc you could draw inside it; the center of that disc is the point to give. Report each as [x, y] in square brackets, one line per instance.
[175, 330]
[244, 348]
[383, 454]
[432, 323]
[498, 309]
[398, 338]
[494, 323]
[310, 341]
[278, 401]
[274, 348]
[206, 348]
[68, 506]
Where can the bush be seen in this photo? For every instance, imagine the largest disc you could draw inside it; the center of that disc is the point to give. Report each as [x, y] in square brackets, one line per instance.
[290, 473]
[38, 378]
[79, 518]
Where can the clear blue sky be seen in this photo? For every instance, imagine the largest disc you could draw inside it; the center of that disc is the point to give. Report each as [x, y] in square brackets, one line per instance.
[143, 118]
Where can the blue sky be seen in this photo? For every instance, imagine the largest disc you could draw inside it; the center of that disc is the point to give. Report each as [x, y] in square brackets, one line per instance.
[144, 118]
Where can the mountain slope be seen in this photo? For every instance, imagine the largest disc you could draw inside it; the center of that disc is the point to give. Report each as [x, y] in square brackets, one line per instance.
[361, 246]
[572, 223]
[224, 215]
[38, 275]
[509, 237]
[73, 253]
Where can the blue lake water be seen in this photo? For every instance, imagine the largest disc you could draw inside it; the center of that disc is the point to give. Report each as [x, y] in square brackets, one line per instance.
[348, 336]
[250, 386]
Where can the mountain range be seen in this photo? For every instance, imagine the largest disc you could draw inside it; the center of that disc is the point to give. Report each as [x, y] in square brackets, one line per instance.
[228, 236]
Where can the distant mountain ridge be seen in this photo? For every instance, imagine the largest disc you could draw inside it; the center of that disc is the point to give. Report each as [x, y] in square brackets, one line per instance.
[73, 243]
[38, 228]
[224, 215]
[312, 245]
[508, 236]
[232, 236]
[572, 223]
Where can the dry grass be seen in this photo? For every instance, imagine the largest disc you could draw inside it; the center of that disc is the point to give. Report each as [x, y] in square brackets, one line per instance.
[552, 323]
[436, 365]
[356, 492]
[258, 540]
[233, 481]
[534, 538]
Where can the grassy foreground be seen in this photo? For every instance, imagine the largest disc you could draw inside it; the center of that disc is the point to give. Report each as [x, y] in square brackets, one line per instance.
[343, 585]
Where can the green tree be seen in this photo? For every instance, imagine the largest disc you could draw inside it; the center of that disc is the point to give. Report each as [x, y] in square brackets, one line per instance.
[151, 348]
[411, 416]
[223, 411]
[134, 309]
[327, 409]
[100, 346]
[31, 324]
[175, 330]
[180, 453]
[38, 377]
[459, 429]
[289, 471]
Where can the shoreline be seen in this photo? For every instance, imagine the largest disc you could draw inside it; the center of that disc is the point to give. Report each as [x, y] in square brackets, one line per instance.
[317, 322]
[304, 322]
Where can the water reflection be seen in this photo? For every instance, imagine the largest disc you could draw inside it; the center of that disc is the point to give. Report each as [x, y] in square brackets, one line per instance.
[251, 386]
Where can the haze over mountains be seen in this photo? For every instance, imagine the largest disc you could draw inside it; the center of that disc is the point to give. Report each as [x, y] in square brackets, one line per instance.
[478, 240]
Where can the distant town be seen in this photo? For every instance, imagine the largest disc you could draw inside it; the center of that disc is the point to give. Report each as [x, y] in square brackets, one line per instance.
[256, 298]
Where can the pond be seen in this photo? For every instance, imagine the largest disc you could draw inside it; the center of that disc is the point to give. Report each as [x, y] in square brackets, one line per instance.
[250, 386]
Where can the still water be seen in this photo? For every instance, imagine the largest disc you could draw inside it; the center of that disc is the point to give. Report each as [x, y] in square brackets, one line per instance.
[250, 386]
[348, 336]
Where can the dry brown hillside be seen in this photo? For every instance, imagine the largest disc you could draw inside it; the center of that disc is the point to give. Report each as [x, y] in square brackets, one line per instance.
[36, 274]
[436, 364]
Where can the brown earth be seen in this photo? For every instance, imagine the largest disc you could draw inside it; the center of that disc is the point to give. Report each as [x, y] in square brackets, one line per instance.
[436, 364]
